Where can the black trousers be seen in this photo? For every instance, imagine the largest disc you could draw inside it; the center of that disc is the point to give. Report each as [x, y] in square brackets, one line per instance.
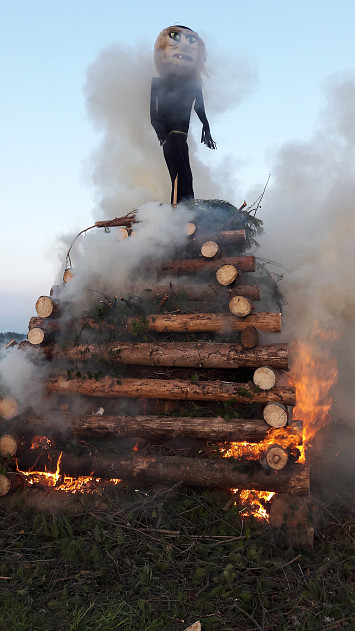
[176, 154]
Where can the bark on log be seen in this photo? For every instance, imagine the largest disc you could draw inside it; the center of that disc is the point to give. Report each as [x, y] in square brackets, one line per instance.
[225, 237]
[227, 275]
[221, 473]
[275, 414]
[193, 266]
[188, 354]
[173, 389]
[249, 337]
[127, 220]
[240, 306]
[45, 306]
[43, 323]
[158, 427]
[201, 292]
[8, 408]
[8, 445]
[264, 378]
[210, 322]
[210, 249]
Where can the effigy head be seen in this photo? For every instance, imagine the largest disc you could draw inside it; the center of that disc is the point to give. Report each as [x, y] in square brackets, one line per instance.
[179, 51]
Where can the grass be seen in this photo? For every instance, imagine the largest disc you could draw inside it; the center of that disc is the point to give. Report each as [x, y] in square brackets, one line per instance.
[158, 560]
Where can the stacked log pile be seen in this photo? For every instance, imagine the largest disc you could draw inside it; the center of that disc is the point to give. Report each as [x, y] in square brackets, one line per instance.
[180, 370]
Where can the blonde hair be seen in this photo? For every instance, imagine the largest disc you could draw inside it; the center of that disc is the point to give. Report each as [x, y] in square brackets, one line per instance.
[163, 41]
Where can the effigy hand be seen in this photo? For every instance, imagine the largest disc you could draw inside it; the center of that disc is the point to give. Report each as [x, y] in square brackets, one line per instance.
[206, 138]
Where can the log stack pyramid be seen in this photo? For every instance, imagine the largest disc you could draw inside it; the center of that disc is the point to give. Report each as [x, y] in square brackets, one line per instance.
[153, 387]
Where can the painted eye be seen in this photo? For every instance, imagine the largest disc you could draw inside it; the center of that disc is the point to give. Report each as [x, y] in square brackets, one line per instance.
[191, 39]
[175, 36]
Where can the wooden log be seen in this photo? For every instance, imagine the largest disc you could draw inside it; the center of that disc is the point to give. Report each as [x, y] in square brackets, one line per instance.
[249, 337]
[37, 336]
[224, 237]
[8, 408]
[264, 377]
[158, 427]
[276, 457]
[190, 228]
[227, 275]
[45, 306]
[193, 266]
[209, 322]
[208, 293]
[183, 354]
[5, 484]
[217, 473]
[43, 323]
[240, 306]
[68, 275]
[210, 249]
[172, 389]
[291, 514]
[127, 220]
[275, 414]
[8, 445]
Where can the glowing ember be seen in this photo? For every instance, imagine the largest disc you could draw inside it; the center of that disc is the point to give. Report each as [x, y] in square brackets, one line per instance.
[315, 372]
[40, 441]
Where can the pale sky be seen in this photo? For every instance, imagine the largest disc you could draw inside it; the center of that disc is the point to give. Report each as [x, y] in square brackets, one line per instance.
[293, 46]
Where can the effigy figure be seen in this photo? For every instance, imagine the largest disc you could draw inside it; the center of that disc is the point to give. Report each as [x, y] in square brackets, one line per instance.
[179, 56]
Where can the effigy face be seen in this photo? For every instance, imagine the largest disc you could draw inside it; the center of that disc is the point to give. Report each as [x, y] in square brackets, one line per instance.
[178, 51]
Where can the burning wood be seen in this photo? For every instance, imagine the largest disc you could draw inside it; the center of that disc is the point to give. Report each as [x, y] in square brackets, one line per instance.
[188, 471]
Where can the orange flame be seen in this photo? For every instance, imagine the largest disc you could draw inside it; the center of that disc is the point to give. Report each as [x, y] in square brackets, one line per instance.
[59, 481]
[315, 372]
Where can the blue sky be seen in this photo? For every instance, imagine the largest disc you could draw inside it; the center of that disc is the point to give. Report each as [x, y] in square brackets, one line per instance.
[47, 135]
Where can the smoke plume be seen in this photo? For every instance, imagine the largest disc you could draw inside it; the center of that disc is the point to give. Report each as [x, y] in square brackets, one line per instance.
[310, 229]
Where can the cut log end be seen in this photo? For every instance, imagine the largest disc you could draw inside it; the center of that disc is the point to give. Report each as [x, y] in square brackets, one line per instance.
[276, 457]
[227, 275]
[275, 414]
[190, 228]
[44, 306]
[8, 445]
[240, 306]
[8, 408]
[264, 378]
[210, 249]
[123, 234]
[5, 485]
[249, 337]
[36, 336]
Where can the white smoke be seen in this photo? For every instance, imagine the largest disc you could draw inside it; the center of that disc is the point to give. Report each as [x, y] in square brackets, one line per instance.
[310, 229]
[22, 379]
